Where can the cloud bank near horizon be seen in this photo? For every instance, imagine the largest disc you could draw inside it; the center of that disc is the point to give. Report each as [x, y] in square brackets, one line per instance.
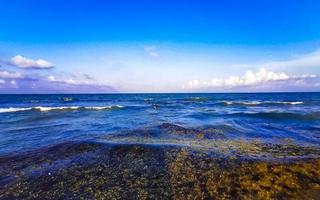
[262, 80]
[27, 81]
[150, 72]
[266, 77]
[12, 82]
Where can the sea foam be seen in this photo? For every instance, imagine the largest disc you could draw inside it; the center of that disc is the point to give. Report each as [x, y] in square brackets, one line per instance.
[46, 109]
[254, 103]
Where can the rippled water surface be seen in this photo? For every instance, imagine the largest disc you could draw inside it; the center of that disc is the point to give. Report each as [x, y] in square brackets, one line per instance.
[32, 121]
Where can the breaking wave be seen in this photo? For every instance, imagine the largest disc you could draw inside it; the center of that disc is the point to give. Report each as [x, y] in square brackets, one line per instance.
[45, 109]
[254, 103]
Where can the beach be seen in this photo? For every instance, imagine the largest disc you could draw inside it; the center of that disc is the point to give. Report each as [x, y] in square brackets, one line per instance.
[160, 146]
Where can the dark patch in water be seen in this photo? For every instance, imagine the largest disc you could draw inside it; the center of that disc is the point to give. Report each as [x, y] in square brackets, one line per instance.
[175, 129]
[210, 132]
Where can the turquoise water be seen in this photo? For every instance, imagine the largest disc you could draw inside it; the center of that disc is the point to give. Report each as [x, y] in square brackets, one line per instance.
[34, 121]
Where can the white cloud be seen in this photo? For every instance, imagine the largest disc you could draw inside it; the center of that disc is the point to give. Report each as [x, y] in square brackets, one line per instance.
[51, 78]
[71, 81]
[13, 82]
[2, 81]
[24, 62]
[248, 79]
[10, 75]
[267, 80]
[151, 51]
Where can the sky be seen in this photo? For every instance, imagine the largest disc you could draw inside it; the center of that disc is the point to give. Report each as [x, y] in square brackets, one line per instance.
[96, 46]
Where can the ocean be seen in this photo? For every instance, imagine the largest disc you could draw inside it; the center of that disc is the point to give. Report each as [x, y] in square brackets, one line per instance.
[157, 137]
[33, 121]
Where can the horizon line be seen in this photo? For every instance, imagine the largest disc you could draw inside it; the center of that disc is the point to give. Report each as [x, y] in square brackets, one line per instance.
[123, 93]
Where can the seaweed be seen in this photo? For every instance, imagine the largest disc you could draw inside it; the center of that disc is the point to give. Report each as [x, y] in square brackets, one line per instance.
[131, 171]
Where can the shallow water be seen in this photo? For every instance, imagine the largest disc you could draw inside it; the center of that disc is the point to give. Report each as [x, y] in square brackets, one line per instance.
[169, 146]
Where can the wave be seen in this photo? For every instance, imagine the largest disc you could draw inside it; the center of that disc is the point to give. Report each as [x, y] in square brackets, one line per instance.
[102, 107]
[254, 103]
[281, 115]
[195, 99]
[251, 103]
[45, 109]
[4, 110]
[68, 99]
[291, 102]
[148, 99]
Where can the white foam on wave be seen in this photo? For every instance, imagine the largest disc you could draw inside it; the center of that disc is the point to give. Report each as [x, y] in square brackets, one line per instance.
[4, 110]
[41, 108]
[292, 102]
[46, 109]
[253, 103]
[228, 102]
[102, 107]
[67, 99]
[242, 102]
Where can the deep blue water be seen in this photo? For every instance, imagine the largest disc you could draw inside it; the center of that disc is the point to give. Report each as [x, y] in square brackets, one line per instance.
[34, 121]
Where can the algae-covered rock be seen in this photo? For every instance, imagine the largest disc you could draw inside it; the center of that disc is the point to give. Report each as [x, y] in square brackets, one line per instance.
[137, 171]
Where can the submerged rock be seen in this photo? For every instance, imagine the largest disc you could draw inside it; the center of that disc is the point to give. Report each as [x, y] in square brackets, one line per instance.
[119, 171]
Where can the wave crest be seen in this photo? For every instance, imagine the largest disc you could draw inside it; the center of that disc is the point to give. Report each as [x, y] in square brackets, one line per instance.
[46, 109]
[254, 103]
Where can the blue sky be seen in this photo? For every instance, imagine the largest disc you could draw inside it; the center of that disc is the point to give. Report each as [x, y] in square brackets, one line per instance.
[159, 46]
